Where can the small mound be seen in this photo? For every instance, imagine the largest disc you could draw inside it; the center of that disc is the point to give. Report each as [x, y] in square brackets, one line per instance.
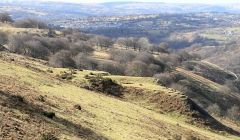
[104, 85]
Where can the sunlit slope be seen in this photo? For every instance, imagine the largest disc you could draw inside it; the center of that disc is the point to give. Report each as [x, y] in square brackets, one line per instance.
[101, 117]
[9, 29]
[206, 82]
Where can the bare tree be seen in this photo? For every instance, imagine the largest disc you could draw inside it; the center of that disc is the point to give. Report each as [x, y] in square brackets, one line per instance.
[133, 43]
[54, 44]
[3, 38]
[85, 62]
[143, 43]
[16, 43]
[165, 79]
[214, 108]
[30, 23]
[160, 48]
[122, 56]
[145, 57]
[113, 68]
[35, 49]
[234, 113]
[51, 32]
[27, 45]
[138, 68]
[81, 47]
[102, 42]
[67, 31]
[62, 59]
[5, 17]
[128, 42]
[124, 42]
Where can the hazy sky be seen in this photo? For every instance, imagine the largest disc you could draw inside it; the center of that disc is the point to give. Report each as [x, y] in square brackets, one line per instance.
[167, 1]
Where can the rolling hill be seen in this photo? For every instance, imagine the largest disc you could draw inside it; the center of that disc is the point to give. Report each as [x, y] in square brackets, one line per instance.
[37, 101]
[49, 10]
[30, 90]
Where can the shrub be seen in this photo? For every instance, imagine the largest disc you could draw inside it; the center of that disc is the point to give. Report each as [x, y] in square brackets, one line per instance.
[85, 62]
[5, 17]
[51, 33]
[137, 68]
[145, 58]
[27, 45]
[49, 71]
[49, 114]
[102, 42]
[41, 98]
[18, 98]
[78, 107]
[177, 137]
[122, 56]
[76, 36]
[105, 85]
[179, 87]
[127, 42]
[81, 47]
[192, 138]
[165, 79]
[16, 43]
[62, 59]
[113, 68]
[30, 23]
[35, 49]
[66, 75]
[143, 44]
[54, 44]
[215, 109]
[3, 38]
[48, 136]
[67, 31]
[233, 113]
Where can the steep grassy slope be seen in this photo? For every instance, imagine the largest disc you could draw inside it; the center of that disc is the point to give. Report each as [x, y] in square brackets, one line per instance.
[30, 90]
[206, 92]
[210, 71]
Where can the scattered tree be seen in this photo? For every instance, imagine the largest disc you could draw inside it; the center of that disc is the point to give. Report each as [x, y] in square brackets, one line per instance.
[62, 59]
[122, 56]
[85, 62]
[5, 17]
[215, 109]
[234, 113]
[30, 23]
[102, 42]
[3, 38]
[143, 43]
[81, 47]
[138, 68]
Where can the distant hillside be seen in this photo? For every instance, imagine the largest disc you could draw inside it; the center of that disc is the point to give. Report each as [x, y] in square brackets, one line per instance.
[61, 10]
[83, 86]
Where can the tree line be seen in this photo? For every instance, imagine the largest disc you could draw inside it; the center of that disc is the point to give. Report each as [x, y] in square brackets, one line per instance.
[72, 48]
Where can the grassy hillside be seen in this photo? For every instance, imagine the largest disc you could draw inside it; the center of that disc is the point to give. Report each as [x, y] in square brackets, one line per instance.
[210, 71]
[30, 91]
[206, 93]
